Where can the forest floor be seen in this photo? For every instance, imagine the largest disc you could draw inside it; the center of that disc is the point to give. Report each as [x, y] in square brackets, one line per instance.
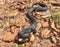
[13, 19]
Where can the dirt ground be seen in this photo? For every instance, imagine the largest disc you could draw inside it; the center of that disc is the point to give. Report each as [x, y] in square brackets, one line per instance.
[13, 19]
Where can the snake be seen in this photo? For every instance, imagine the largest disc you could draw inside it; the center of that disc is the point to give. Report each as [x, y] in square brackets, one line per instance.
[25, 32]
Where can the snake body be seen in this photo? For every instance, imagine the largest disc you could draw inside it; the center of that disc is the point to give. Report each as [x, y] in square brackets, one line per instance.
[42, 8]
[25, 32]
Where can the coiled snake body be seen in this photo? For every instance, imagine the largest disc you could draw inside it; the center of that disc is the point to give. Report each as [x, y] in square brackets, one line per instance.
[25, 32]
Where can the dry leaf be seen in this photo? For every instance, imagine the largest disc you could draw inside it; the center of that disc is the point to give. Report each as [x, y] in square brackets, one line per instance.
[11, 13]
[9, 36]
[32, 37]
[45, 33]
[54, 27]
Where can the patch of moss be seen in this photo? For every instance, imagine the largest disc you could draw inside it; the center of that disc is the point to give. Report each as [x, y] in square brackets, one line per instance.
[21, 45]
[57, 13]
[56, 18]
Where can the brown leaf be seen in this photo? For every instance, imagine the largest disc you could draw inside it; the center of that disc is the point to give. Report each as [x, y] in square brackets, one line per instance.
[11, 13]
[32, 37]
[45, 33]
[45, 24]
[54, 27]
[9, 36]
